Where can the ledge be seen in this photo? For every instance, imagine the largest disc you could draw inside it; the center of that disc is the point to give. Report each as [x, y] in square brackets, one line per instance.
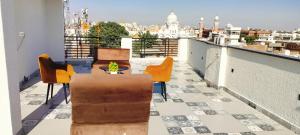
[252, 51]
[266, 53]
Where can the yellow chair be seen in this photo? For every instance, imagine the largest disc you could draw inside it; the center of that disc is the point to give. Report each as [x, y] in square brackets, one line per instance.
[161, 74]
[52, 72]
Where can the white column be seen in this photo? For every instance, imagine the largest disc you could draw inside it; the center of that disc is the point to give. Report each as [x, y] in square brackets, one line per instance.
[55, 33]
[183, 49]
[126, 43]
[223, 65]
[10, 112]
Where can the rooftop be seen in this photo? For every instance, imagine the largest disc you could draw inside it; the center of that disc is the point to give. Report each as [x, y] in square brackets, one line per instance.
[192, 107]
[240, 92]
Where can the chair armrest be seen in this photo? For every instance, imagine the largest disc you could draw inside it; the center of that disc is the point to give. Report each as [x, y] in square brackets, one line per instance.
[154, 67]
[62, 76]
[70, 70]
[67, 67]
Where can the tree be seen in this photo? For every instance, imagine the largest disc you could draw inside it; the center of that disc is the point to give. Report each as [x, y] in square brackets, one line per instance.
[148, 39]
[250, 39]
[109, 34]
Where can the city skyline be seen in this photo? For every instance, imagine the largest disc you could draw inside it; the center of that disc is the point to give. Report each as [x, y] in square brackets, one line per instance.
[275, 14]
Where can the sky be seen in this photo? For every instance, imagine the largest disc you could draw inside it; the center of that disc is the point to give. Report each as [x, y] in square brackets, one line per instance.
[265, 14]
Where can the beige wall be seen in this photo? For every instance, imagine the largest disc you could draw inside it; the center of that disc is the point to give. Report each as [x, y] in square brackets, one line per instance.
[271, 82]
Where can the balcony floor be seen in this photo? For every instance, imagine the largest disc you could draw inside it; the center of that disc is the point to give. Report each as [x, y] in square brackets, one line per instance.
[192, 108]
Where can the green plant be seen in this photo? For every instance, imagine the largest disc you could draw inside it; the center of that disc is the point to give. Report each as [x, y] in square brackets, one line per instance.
[113, 67]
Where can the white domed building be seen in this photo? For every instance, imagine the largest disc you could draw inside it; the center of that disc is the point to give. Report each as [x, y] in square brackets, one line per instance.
[171, 28]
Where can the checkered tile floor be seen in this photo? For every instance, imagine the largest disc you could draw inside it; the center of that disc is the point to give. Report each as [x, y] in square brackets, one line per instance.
[192, 108]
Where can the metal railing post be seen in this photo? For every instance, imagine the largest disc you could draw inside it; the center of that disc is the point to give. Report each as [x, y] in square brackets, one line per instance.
[168, 47]
[165, 44]
[144, 44]
[80, 45]
[77, 47]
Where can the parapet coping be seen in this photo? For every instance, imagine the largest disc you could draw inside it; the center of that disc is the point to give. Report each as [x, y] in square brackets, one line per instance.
[251, 50]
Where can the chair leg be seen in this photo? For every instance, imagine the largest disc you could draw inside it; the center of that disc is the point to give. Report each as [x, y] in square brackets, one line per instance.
[52, 85]
[65, 91]
[48, 89]
[162, 88]
[165, 91]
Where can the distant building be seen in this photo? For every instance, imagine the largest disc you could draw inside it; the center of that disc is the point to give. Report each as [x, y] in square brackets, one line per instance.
[201, 28]
[216, 24]
[232, 34]
[172, 29]
[283, 35]
[132, 28]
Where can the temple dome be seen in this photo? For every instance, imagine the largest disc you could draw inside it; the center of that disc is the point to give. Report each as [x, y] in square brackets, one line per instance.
[172, 18]
[217, 18]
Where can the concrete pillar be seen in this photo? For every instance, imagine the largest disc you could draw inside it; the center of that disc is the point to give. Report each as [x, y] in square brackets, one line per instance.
[126, 43]
[10, 111]
[223, 66]
[55, 34]
[183, 49]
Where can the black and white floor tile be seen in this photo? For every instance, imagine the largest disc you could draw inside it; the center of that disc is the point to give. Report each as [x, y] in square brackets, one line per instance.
[185, 90]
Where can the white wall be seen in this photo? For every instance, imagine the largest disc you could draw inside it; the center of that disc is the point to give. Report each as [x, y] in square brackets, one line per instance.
[30, 19]
[10, 116]
[270, 82]
[43, 24]
[205, 58]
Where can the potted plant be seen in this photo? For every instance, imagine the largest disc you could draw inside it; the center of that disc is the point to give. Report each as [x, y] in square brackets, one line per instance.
[113, 68]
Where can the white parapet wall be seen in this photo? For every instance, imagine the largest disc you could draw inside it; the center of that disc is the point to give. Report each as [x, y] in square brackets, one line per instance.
[269, 81]
[183, 49]
[126, 43]
[205, 58]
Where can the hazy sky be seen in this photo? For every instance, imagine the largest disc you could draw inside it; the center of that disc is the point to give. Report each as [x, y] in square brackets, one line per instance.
[268, 14]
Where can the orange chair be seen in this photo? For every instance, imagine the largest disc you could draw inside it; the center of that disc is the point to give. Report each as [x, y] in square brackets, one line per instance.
[52, 72]
[161, 74]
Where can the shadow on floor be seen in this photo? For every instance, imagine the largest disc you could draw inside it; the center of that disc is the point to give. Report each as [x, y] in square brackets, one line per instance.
[29, 83]
[40, 113]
